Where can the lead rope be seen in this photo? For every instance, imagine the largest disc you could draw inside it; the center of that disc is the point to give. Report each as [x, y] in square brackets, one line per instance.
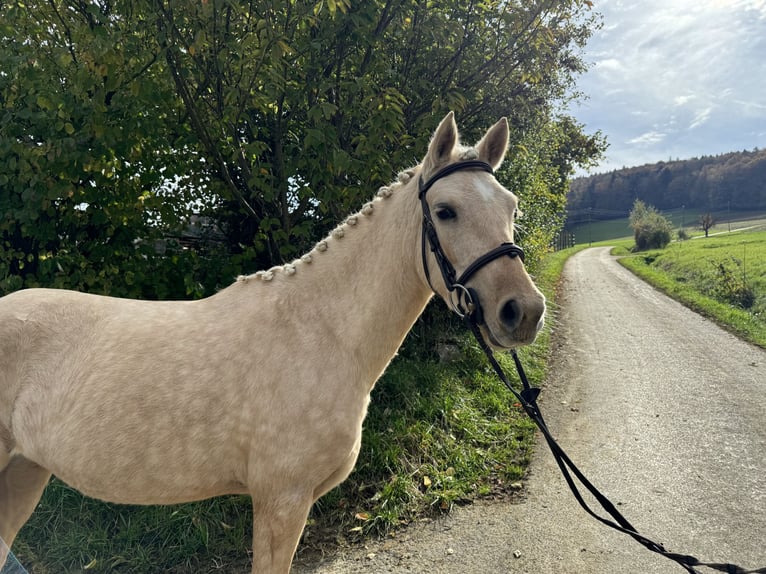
[528, 400]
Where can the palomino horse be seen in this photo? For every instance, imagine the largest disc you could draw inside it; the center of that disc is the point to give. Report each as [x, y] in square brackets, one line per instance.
[262, 388]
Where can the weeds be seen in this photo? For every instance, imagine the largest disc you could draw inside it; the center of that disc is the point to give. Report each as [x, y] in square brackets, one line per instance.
[710, 276]
[730, 283]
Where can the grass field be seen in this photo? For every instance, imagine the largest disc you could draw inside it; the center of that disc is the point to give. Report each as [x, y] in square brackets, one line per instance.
[722, 276]
[597, 231]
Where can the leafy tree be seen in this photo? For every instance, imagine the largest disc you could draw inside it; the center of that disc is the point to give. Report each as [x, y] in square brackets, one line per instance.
[651, 230]
[337, 100]
[272, 120]
[89, 140]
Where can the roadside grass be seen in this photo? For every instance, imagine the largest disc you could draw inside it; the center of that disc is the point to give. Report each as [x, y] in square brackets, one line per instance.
[439, 432]
[722, 277]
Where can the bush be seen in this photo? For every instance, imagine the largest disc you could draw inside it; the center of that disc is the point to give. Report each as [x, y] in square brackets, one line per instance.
[730, 284]
[651, 230]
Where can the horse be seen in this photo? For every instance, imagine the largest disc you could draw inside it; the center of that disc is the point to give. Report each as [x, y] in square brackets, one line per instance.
[261, 388]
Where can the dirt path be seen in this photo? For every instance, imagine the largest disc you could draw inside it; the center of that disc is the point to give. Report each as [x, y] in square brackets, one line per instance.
[664, 411]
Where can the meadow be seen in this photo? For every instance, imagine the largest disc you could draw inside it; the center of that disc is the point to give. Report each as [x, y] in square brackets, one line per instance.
[722, 276]
[686, 219]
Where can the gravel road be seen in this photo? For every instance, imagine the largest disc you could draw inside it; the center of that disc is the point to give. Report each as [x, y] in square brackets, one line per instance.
[661, 409]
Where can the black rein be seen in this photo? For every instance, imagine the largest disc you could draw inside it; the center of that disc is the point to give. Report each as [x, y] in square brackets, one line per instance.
[469, 308]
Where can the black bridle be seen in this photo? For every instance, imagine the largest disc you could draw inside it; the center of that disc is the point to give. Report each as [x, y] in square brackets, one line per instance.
[467, 302]
[468, 307]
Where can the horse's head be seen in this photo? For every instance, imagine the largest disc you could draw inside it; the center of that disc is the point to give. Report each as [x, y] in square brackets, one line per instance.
[470, 259]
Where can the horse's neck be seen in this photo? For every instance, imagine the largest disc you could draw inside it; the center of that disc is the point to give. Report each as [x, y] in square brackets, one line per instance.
[364, 283]
[368, 282]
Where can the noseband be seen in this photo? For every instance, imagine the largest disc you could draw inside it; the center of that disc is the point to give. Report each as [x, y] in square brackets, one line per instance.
[466, 302]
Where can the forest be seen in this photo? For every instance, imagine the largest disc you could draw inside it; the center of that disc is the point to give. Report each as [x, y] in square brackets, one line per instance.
[732, 181]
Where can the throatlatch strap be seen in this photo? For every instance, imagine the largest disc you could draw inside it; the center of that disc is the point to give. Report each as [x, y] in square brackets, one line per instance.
[528, 400]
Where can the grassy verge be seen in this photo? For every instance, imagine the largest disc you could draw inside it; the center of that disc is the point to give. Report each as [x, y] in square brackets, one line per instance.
[438, 432]
[722, 277]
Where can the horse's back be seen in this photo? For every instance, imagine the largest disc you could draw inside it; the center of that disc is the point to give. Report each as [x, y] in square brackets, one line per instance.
[91, 382]
[39, 328]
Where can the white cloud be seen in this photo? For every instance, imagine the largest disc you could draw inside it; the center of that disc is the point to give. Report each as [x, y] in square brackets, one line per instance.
[701, 118]
[688, 76]
[751, 106]
[649, 138]
[609, 64]
[681, 100]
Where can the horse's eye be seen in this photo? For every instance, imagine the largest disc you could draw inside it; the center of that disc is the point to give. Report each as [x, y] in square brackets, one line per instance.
[445, 213]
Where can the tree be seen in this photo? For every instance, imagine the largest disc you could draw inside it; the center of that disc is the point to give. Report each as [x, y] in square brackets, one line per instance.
[89, 140]
[122, 118]
[731, 180]
[650, 229]
[706, 221]
[334, 100]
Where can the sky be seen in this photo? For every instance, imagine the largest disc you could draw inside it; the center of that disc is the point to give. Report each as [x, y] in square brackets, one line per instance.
[675, 79]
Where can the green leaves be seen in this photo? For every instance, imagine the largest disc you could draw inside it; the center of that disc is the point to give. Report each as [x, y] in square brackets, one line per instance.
[71, 165]
[651, 229]
[274, 120]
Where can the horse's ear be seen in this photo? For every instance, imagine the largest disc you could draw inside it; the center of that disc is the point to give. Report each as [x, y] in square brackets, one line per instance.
[441, 146]
[492, 146]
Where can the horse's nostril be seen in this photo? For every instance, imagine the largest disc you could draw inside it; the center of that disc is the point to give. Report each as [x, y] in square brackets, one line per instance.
[510, 314]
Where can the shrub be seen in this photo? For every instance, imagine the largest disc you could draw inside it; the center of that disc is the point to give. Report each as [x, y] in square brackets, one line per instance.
[730, 284]
[651, 230]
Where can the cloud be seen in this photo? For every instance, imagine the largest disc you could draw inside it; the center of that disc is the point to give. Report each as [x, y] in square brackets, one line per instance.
[609, 65]
[681, 79]
[701, 118]
[682, 100]
[649, 138]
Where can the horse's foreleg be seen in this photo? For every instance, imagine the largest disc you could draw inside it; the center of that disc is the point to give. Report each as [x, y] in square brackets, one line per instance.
[277, 528]
[21, 485]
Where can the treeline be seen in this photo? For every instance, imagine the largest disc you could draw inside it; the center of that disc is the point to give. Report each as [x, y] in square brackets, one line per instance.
[735, 181]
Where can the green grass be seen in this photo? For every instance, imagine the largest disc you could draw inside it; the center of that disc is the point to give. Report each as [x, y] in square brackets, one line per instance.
[589, 233]
[598, 231]
[437, 434]
[722, 277]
